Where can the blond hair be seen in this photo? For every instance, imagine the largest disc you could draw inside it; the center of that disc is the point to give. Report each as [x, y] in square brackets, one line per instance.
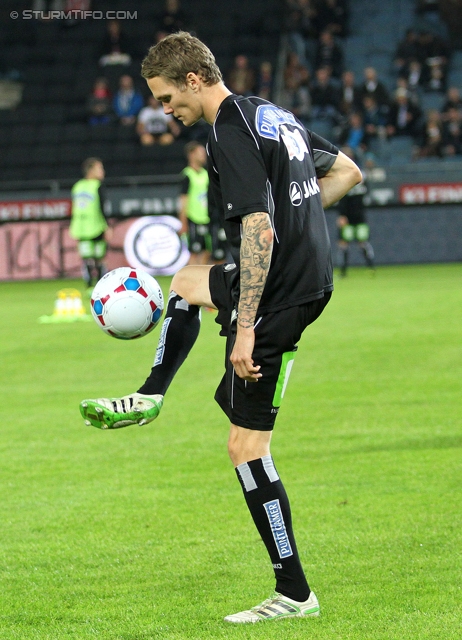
[177, 55]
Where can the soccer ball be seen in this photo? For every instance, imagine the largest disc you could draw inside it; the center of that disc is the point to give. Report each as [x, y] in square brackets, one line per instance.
[127, 303]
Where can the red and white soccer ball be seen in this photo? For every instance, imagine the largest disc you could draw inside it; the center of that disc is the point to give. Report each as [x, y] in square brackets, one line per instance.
[127, 303]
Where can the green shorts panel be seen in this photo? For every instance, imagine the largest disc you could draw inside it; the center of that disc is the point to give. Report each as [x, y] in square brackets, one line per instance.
[358, 232]
[95, 249]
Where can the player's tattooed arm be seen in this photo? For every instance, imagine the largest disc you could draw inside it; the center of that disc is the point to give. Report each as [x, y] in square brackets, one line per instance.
[256, 250]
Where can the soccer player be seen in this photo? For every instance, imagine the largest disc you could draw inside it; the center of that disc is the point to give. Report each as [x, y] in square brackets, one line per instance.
[352, 224]
[88, 222]
[272, 178]
[193, 202]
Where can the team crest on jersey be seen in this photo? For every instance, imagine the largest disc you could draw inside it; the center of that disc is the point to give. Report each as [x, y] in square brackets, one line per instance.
[294, 142]
[269, 118]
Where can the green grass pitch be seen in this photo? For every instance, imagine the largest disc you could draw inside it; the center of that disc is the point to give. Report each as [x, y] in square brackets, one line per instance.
[143, 533]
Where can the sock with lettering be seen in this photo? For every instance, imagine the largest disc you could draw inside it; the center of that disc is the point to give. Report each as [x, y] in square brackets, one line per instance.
[177, 337]
[269, 506]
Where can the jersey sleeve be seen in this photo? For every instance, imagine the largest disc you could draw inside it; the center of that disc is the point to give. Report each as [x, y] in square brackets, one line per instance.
[238, 161]
[184, 185]
[324, 153]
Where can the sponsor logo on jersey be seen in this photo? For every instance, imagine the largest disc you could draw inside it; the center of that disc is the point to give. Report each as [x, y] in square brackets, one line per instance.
[297, 194]
[278, 528]
[269, 118]
[294, 142]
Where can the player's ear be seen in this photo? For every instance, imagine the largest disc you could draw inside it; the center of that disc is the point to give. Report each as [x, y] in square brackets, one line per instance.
[193, 81]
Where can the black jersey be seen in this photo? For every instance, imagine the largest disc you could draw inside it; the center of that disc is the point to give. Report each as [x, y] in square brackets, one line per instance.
[261, 158]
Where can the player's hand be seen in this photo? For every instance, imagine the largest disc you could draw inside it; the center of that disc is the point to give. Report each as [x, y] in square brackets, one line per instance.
[241, 355]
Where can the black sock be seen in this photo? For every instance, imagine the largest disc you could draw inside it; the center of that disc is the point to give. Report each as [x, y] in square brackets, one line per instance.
[269, 506]
[86, 272]
[99, 271]
[343, 260]
[177, 337]
[368, 253]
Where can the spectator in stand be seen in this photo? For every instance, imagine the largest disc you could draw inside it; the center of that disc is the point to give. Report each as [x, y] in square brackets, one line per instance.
[404, 117]
[241, 77]
[430, 144]
[414, 95]
[436, 80]
[99, 103]
[296, 92]
[294, 73]
[350, 94]
[375, 118]
[115, 48]
[332, 15]
[407, 50]
[301, 28]
[453, 100]
[353, 134]
[325, 96]
[433, 51]
[265, 80]
[414, 74]
[452, 133]
[156, 127]
[173, 18]
[329, 54]
[127, 101]
[374, 87]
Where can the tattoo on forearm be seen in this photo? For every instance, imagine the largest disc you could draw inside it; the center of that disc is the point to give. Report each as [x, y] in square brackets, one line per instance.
[256, 249]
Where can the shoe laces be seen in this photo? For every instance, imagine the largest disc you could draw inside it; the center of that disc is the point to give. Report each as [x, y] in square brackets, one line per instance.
[123, 405]
[268, 601]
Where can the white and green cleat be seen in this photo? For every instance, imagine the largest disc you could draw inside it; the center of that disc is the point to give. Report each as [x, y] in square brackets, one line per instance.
[114, 413]
[277, 607]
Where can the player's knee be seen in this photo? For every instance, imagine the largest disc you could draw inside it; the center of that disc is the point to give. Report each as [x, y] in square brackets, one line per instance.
[247, 444]
[192, 284]
[181, 283]
[240, 452]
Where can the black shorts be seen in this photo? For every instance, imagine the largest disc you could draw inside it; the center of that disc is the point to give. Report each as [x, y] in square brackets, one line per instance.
[197, 237]
[255, 405]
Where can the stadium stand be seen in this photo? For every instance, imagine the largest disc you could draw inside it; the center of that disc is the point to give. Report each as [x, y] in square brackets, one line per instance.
[53, 66]
[47, 135]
